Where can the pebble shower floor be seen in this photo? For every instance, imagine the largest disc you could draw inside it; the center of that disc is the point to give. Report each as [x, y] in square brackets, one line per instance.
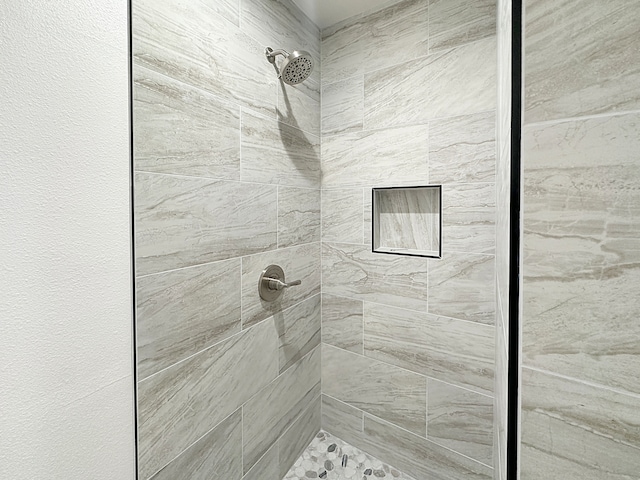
[329, 458]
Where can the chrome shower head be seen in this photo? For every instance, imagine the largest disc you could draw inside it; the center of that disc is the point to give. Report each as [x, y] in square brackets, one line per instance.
[297, 66]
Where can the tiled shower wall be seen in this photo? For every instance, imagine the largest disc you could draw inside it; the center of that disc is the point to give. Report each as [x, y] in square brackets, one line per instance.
[580, 329]
[409, 98]
[227, 182]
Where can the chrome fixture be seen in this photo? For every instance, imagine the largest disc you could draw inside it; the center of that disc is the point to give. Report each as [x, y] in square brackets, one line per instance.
[272, 283]
[297, 66]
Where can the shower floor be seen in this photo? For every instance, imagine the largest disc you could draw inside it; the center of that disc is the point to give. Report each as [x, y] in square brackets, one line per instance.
[329, 458]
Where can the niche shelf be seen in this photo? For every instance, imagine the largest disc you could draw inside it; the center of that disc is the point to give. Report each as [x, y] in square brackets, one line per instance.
[408, 220]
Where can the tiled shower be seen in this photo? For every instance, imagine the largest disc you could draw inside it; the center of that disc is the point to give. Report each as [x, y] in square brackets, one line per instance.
[403, 359]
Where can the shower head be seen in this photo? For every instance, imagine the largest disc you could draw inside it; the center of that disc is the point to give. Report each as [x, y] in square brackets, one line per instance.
[297, 66]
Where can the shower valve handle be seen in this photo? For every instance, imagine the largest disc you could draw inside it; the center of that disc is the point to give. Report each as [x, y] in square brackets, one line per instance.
[277, 284]
[272, 283]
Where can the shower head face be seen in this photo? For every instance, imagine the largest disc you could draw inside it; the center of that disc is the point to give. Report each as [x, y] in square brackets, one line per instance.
[297, 67]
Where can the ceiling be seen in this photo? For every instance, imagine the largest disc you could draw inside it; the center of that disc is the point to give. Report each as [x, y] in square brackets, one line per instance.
[325, 13]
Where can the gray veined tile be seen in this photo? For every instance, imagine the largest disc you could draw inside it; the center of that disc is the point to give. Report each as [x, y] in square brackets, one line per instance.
[183, 130]
[461, 420]
[180, 404]
[185, 221]
[295, 440]
[342, 106]
[299, 263]
[446, 349]
[297, 109]
[267, 467]
[276, 407]
[582, 58]
[181, 312]
[273, 152]
[298, 216]
[299, 330]
[354, 271]
[469, 218]
[577, 431]
[341, 419]
[193, 43]
[463, 149]
[460, 81]
[216, 456]
[368, 214]
[343, 51]
[455, 22]
[342, 322]
[384, 390]
[342, 212]
[462, 285]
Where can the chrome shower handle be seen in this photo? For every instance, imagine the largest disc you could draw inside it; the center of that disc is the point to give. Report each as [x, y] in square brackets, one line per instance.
[277, 284]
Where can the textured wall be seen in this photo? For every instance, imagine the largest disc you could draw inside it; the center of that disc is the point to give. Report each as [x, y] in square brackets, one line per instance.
[227, 182]
[65, 275]
[409, 98]
[580, 330]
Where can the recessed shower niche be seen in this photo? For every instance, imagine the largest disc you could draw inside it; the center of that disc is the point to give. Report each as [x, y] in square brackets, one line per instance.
[408, 220]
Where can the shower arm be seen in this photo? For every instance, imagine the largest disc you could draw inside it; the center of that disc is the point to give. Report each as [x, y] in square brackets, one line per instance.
[271, 54]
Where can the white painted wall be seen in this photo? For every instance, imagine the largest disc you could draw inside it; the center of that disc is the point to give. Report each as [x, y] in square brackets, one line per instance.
[66, 401]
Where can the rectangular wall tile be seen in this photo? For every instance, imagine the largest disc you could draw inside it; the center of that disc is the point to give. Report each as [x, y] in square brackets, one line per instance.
[297, 109]
[455, 22]
[577, 431]
[459, 81]
[298, 216]
[581, 58]
[181, 403]
[183, 130]
[460, 420]
[182, 312]
[299, 263]
[216, 456]
[342, 324]
[341, 420]
[463, 149]
[343, 47]
[469, 218]
[274, 409]
[183, 221]
[267, 467]
[463, 286]
[193, 43]
[299, 330]
[354, 271]
[451, 350]
[384, 390]
[296, 439]
[342, 106]
[342, 215]
[274, 152]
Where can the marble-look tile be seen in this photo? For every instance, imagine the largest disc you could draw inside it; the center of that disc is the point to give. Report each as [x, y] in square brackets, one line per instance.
[341, 419]
[298, 263]
[581, 58]
[455, 22]
[299, 330]
[342, 212]
[193, 43]
[462, 285]
[180, 404]
[460, 81]
[463, 149]
[274, 408]
[354, 271]
[183, 130]
[273, 152]
[418, 456]
[295, 440]
[297, 109]
[216, 456]
[469, 218]
[576, 431]
[342, 322]
[298, 216]
[460, 420]
[381, 158]
[182, 312]
[267, 467]
[342, 106]
[185, 221]
[389, 392]
[343, 50]
[582, 250]
[450, 350]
